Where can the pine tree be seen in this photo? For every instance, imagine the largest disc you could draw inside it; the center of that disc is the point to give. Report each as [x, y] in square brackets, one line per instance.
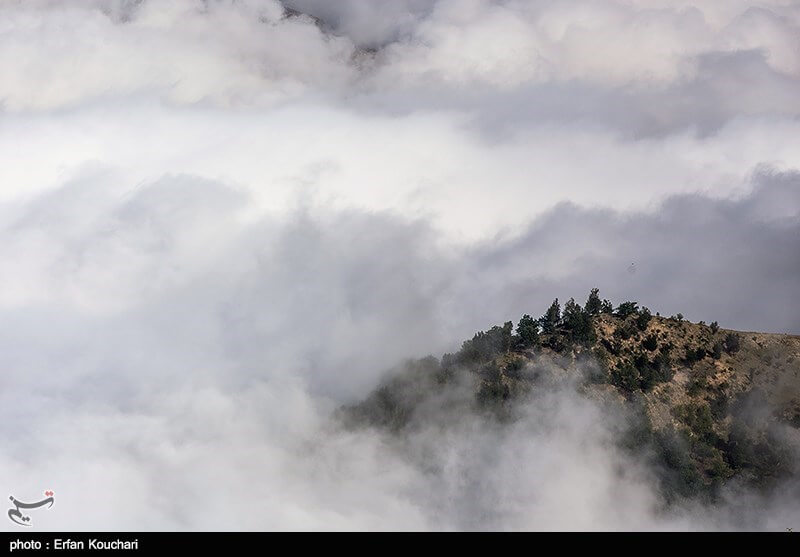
[577, 321]
[593, 304]
[552, 318]
[528, 331]
[643, 319]
[732, 343]
[627, 308]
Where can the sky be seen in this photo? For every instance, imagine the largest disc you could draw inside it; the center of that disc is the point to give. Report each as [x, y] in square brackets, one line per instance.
[220, 220]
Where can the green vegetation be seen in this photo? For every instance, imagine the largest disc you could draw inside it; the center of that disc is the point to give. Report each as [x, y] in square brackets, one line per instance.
[626, 330]
[577, 323]
[643, 319]
[694, 355]
[626, 309]
[551, 319]
[732, 343]
[716, 350]
[650, 342]
[486, 345]
[528, 332]
[626, 377]
[712, 436]
[593, 304]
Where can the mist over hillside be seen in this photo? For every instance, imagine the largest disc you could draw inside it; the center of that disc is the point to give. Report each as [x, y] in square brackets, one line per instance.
[597, 407]
[223, 223]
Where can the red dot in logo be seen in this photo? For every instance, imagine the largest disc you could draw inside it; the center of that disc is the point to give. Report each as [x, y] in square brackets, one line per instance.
[48, 493]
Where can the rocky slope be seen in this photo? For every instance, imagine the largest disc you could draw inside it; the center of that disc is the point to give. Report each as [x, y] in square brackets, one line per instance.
[705, 406]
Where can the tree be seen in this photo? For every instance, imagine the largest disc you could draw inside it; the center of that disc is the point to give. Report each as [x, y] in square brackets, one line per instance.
[626, 377]
[694, 355]
[663, 363]
[714, 327]
[593, 304]
[626, 330]
[486, 345]
[626, 309]
[552, 318]
[449, 360]
[528, 331]
[732, 343]
[571, 309]
[606, 307]
[577, 321]
[504, 335]
[650, 342]
[643, 318]
[649, 374]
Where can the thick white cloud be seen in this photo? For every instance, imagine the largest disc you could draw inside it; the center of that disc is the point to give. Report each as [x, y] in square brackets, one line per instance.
[460, 120]
[169, 364]
[425, 165]
[57, 55]
[505, 44]
[220, 220]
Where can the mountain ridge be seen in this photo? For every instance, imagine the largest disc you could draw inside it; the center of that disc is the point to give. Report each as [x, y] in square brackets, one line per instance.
[709, 407]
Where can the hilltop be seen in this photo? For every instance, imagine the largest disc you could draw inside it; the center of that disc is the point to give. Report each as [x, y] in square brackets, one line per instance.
[706, 406]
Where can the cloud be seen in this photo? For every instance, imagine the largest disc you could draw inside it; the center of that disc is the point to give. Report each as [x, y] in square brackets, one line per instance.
[222, 220]
[692, 255]
[188, 52]
[368, 24]
[161, 344]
